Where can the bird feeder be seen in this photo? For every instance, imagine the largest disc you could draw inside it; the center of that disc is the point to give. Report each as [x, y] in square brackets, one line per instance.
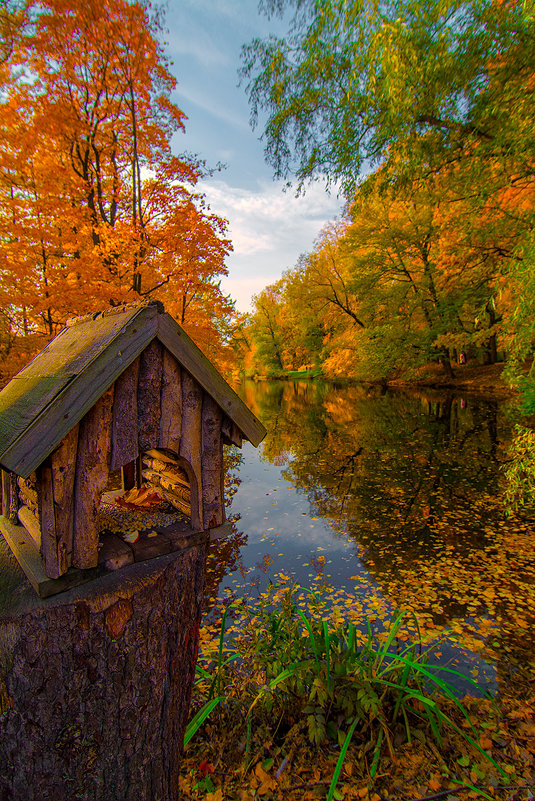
[123, 393]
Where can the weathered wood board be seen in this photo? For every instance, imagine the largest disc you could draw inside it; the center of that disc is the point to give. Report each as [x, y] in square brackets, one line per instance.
[212, 463]
[171, 404]
[124, 440]
[63, 464]
[91, 476]
[190, 443]
[47, 521]
[148, 396]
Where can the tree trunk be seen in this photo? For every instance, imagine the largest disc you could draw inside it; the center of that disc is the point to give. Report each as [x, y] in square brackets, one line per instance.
[446, 364]
[491, 350]
[95, 685]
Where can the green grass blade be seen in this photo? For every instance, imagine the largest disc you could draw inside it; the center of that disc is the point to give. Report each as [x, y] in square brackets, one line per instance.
[475, 684]
[327, 649]
[340, 761]
[377, 754]
[310, 634]
[216, 682]
[407, 727]
[476, 789]
[433, 723]
[468, 739]
[196, 722]
[385, 648]
[352, 638]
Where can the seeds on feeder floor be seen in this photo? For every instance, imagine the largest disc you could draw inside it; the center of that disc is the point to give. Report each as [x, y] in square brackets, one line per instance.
[119, 520]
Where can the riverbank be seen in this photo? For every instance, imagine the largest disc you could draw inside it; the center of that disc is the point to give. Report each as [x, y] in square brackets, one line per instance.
[486, 379]
[298, 681]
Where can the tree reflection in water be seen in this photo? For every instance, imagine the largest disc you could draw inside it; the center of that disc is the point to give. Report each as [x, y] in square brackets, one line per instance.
[404, 490]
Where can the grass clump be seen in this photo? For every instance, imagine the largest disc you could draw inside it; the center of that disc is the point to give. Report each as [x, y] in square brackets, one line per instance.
[286, 675]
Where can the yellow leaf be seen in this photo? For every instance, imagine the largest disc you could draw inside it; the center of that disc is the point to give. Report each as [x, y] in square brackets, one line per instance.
[216, 796]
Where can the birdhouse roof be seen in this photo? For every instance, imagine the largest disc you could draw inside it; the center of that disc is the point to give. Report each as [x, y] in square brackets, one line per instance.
[43, 402]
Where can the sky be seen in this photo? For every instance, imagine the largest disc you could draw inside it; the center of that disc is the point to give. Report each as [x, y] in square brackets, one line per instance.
[269, 227]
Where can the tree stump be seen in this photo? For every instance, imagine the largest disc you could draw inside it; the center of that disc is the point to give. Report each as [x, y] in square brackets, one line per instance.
[95, 683]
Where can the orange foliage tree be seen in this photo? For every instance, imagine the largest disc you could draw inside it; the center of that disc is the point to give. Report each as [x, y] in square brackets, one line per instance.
[95, 208]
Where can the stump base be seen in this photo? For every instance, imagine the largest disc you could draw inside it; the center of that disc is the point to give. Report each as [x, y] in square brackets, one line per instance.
[95, 683]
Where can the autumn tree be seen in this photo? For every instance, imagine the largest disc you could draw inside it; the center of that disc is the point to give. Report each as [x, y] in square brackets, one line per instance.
[266, 328]
[404, 280]
[95, 208]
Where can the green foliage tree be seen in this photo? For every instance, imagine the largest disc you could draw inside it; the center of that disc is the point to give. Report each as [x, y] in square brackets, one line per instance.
[353, 80]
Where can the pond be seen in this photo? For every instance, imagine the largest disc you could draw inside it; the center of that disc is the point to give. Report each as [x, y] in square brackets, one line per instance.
[396, 501]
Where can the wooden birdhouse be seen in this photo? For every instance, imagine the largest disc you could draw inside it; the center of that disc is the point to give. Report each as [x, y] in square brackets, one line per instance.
[125, 394]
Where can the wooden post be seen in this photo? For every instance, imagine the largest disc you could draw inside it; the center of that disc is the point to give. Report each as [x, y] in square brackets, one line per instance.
[148, 396]
[10, 496]
[91, 475]
[212, 463]
[47, 520]
[171, 404]
[124, 441]
[96, 684]
[190, 443]
[63, 463]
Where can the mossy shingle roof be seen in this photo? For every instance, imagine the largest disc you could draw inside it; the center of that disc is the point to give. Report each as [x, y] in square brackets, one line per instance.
[43, 402]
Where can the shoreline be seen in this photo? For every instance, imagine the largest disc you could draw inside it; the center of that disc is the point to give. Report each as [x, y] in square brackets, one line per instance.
[475, 379]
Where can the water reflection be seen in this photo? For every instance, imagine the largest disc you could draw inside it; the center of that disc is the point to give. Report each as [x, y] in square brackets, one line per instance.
[403, 490]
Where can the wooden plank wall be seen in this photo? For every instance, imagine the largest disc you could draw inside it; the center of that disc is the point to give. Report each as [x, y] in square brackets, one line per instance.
[154, 406]
[10, 496]
[92, 467]
[212, 463]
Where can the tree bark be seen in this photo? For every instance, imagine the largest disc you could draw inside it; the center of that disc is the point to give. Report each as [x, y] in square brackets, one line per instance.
[95, 685]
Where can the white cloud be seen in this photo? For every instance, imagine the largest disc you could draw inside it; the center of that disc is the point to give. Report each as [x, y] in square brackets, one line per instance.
[269, 229]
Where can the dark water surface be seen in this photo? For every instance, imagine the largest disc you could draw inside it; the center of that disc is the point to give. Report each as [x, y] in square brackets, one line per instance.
[396, 496]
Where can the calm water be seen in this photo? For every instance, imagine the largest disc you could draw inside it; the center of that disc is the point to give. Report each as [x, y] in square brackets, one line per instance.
[394, 495]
